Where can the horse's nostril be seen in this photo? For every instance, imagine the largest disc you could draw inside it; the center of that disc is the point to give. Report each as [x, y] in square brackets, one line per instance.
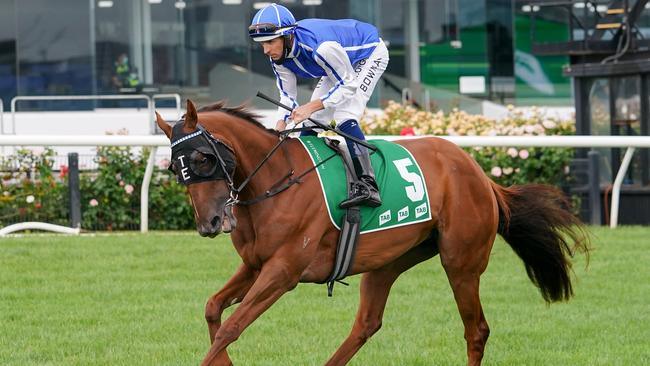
[215, 221]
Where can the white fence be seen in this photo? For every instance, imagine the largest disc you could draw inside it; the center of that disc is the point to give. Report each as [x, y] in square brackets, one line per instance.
[629, 142]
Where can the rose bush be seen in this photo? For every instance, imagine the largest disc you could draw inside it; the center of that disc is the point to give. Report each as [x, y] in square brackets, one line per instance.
[507, 165]
[110, 195]
[29, 190]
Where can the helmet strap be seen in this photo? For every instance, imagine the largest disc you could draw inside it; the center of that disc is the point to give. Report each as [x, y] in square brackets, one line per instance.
[287, 44]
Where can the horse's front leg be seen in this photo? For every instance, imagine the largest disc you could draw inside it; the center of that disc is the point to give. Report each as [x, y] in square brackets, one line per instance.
[231, 293]
[275, 279]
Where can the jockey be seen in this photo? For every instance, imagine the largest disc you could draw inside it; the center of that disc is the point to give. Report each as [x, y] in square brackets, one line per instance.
[349, 58]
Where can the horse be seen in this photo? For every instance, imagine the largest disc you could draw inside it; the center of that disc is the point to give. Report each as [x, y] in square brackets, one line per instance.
[285, 237]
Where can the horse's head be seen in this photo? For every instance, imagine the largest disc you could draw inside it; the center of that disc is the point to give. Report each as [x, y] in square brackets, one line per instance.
[206, 166]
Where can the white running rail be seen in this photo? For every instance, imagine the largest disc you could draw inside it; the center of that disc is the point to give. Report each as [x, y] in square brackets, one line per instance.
[39, 226]
[629, 142]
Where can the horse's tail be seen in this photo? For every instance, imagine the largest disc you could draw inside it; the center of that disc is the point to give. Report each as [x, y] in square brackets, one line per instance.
[537, 222]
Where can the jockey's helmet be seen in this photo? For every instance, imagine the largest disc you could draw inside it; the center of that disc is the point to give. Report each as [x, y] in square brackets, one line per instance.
[271, 22]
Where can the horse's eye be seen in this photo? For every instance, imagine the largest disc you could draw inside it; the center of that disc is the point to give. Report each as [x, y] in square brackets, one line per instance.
[203, 164]
[199, 158]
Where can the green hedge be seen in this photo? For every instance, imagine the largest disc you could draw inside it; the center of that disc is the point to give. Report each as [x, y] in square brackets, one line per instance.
[110, 196]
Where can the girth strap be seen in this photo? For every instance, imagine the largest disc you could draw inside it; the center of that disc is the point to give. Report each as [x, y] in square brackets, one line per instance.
[351, 227]
[346, 248]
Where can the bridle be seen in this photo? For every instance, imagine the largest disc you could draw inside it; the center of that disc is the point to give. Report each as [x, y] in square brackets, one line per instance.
[211, 140]
[234, 191]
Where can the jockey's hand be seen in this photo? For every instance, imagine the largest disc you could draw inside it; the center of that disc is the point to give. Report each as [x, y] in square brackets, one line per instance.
[303, 112]
[280, 125]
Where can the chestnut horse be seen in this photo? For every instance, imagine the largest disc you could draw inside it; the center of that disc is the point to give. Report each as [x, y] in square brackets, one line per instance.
[288, 238]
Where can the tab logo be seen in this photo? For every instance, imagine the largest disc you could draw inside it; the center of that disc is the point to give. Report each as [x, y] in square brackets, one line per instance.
[421, 210]
[384, 217]
[403, 214]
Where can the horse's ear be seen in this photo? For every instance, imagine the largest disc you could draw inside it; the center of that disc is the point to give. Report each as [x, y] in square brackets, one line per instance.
[164, 126]
[191, 118]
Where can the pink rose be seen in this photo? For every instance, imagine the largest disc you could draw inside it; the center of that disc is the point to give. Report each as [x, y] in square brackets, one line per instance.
[163, 164]
[128, 189]
[496, 171]
[524, 154]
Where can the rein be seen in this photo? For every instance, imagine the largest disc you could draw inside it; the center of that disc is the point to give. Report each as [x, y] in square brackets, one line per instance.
[276, 187]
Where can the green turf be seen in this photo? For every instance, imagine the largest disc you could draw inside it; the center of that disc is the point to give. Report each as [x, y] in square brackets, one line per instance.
[138, 300]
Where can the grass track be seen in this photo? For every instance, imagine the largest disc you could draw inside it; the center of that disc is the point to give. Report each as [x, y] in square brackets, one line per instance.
[136, 299]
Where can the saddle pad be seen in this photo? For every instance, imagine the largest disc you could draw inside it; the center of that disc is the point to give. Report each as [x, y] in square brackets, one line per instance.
[403, 190]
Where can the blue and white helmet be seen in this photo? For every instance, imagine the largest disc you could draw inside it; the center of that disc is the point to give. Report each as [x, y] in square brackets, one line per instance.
[270, 22]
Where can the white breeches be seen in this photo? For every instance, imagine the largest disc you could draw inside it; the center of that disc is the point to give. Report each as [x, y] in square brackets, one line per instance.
[368, 71]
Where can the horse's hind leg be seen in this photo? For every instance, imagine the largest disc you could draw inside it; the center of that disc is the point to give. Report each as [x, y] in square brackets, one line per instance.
[375, 287]
[464, 261]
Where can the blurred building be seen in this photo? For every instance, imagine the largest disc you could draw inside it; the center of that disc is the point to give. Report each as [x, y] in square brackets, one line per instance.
[440, 49]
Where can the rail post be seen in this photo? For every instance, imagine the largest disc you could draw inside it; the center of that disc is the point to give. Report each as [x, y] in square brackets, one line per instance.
[74, 190]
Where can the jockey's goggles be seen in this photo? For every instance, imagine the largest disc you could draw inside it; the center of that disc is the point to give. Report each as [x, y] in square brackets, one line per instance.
[267, 29]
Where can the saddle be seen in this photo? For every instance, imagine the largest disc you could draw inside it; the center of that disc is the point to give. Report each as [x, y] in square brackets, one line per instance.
[401, 181]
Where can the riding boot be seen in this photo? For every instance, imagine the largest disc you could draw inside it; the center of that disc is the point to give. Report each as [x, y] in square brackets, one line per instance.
[365, 190]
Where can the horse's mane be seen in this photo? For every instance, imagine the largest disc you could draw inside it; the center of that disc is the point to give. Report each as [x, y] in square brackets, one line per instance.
[240, 111]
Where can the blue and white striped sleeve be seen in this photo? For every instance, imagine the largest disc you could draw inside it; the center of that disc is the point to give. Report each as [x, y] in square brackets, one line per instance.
[335, 61]
[287, 85]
